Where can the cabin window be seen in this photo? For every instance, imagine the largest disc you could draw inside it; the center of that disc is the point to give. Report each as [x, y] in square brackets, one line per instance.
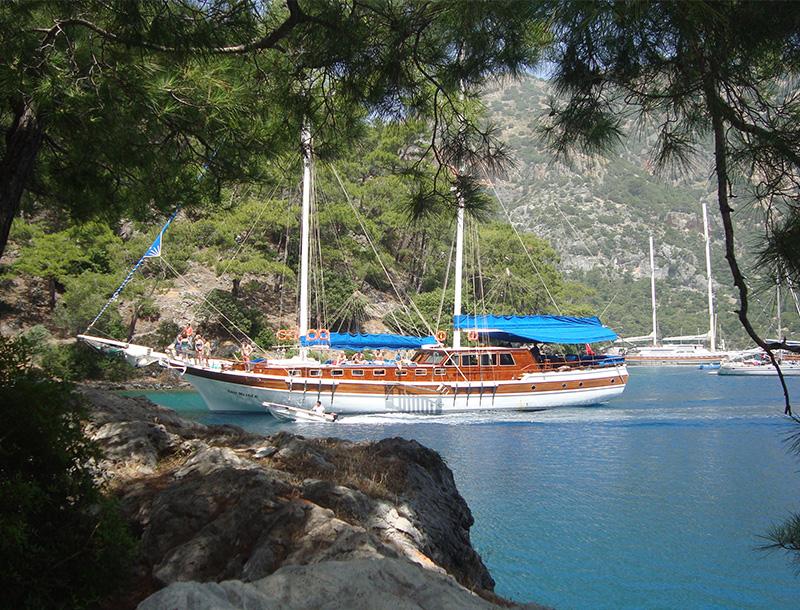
[315, 373]
[434, 358]
[401, 373]
[378, 372]
[438, 371]
[295, 373]
[469, 360]
[506, 360]
[357, 373]
[337, 373]
[488, 359]
[420, 372]
[451, 361]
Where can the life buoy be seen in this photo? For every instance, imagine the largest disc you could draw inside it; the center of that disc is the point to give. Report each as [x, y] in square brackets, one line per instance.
[324, 334]
[312, 335]
[283, 334]
[472, 335]
[441, 336]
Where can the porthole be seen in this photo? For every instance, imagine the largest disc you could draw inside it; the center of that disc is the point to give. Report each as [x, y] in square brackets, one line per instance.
[563, 386]
[337, 373]
[613, 380]
[580, 385]
[533, 387]
[357, 373]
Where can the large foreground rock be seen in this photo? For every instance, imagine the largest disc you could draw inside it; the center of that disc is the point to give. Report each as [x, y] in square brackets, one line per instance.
[216, 504]
[357, 585]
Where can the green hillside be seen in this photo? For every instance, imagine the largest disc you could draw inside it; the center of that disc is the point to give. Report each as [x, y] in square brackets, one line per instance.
[599, 212]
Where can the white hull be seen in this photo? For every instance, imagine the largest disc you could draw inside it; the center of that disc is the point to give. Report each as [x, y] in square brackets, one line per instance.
[303, 415]
[226, 396]
[760, 370]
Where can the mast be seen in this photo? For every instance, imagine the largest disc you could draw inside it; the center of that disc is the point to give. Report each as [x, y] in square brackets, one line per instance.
[653, 291]
[459, 268]
[306, 144]
[712, 330]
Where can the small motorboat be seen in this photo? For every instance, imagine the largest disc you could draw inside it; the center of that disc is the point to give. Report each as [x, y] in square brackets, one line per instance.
[296, 414]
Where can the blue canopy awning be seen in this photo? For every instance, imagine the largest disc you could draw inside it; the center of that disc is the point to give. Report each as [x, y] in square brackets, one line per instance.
[542, 329]
[357, 342]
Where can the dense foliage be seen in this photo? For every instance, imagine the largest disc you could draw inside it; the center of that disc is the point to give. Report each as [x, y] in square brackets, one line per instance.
[63, 544]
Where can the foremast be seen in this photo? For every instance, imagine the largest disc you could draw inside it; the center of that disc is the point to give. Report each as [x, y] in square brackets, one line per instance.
[305, 230]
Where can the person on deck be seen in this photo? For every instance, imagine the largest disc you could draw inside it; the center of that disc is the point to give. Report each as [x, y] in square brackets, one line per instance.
[201, 350]
[536, 352]
[247, 351]
[318, 408]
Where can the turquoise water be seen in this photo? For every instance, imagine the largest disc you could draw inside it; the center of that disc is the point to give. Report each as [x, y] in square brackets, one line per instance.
[655, 500]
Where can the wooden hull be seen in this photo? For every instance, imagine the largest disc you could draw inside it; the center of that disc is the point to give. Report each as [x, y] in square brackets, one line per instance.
[241, 391]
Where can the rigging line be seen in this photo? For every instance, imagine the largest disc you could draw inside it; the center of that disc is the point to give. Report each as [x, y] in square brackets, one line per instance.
[322, 306]
[375, 251]
[796, 301]
[446, 280]
[522, 243]
[282, 283]
[215, 308]
[480, 267]
[247, 235]
[605, 309]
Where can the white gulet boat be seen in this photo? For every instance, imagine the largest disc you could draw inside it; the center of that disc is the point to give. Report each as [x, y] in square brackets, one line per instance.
[687, 350]
[437, 378]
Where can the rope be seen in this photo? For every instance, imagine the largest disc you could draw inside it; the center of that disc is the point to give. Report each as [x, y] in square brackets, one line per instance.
[380, 260]
[216, 309]
[446, 280]
[522, 243]
[151, 252]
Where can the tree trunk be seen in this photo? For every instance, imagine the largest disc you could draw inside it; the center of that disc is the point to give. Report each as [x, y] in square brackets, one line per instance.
[235, 288]
[132, 325]
[51, 289]
[23, 142]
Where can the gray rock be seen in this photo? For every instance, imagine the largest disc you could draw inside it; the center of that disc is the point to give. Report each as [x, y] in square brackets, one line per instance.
[389, 584]
[214, 503]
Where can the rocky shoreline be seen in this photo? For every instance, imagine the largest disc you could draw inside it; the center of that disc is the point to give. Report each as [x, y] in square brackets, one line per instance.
[229, 519]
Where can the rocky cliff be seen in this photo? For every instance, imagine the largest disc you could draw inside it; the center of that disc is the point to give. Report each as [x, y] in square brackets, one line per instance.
[229, 519]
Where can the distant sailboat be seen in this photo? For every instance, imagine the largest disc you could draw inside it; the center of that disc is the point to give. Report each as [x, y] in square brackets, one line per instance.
[686, 350]
[756, 362]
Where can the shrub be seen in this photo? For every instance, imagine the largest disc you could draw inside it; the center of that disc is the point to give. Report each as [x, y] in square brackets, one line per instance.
[63, 544]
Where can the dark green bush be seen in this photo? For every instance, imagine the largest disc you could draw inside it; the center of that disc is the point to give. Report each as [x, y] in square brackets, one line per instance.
[63, 544]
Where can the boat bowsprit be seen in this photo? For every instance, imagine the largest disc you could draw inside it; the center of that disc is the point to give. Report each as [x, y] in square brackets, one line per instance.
[287, 413]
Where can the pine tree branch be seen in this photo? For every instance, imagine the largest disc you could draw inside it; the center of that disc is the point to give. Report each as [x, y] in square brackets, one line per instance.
[270, 41]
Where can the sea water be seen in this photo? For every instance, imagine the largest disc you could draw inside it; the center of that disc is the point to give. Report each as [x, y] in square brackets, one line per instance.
[657, 499]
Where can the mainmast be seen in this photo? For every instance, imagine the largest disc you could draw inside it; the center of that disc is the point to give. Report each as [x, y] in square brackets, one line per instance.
[459, 268]
[653, 291]
[712, 323]
[306, 146]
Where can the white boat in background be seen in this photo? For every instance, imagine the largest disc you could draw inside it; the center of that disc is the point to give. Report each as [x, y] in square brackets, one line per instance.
[688, 350]
[302, 415]
[757, 363]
